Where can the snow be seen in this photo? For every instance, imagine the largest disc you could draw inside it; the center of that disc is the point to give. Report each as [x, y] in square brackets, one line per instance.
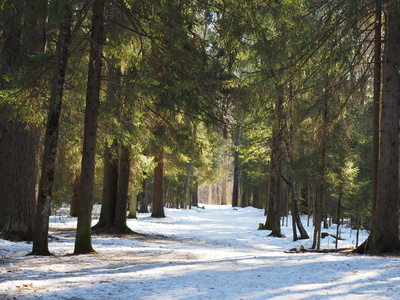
[211, 253]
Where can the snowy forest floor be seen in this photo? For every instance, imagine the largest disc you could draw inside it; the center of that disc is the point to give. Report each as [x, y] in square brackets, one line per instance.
[211, 253]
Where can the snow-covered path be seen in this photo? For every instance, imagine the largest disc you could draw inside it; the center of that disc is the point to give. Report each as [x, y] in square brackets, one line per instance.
[211, 253]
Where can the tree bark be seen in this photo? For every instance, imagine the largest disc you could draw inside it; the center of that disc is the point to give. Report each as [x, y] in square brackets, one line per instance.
[276, 225]
[83, 241]
[186, 194]
[111, 153]
[275, 199]
[74, 207]
[236, 170]
[384, 235]
[22, 198]
[124, 166]
[321, 179]
[25, 159]
[257, 200]
[10, 61]
[303, 232]
[294, 228]
[6, 142]
[338, 216]
[377, 102]
[296, 213]
[245, 197]
[223, 190]
[269, 207]
[40, 240]
[132, 205]
[224, 194]
[158, 191]
[110, 188]
[143, 196]
[195, 198]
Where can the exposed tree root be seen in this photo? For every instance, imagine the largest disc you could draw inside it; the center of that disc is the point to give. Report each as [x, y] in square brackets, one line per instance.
[363, 249]
[276, 234]
[114, 230]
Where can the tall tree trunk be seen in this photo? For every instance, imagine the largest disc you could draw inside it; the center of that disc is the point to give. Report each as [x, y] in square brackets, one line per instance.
[294, 228]
[110, 188]
[6, 142]
[269, 207]
[302, 231]
[224, 194]
[296, 220]
[22, 202]
[124, 167]
[321, 179]
[158, 191]
[10, 61]
[223, 190]
[40, 241]
[306, 195]
[245, 197]
[276, 161]
[284, 208]
[338, 214]
[83, 240]
[236, 171]
[132, 205]
[25, 159]
[384, 235]
[74, 207]
[377, 101]
[111, 153]
[276, 225]
[143, 196]
[195, 195]
[186, 194]
[257, 200]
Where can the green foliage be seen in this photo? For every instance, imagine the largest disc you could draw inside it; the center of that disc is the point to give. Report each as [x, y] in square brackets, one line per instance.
[182, 75]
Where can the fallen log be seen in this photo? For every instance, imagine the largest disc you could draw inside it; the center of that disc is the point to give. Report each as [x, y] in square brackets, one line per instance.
[325, 234]
[304, 250]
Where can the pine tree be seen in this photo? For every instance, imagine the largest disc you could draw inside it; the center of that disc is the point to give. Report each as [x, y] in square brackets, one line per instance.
[83, 242]
[384, 236]
[26, 136]
[40, 240]
[9, 64]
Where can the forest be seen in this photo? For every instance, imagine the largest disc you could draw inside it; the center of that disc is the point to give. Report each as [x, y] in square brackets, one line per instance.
[290, 106]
